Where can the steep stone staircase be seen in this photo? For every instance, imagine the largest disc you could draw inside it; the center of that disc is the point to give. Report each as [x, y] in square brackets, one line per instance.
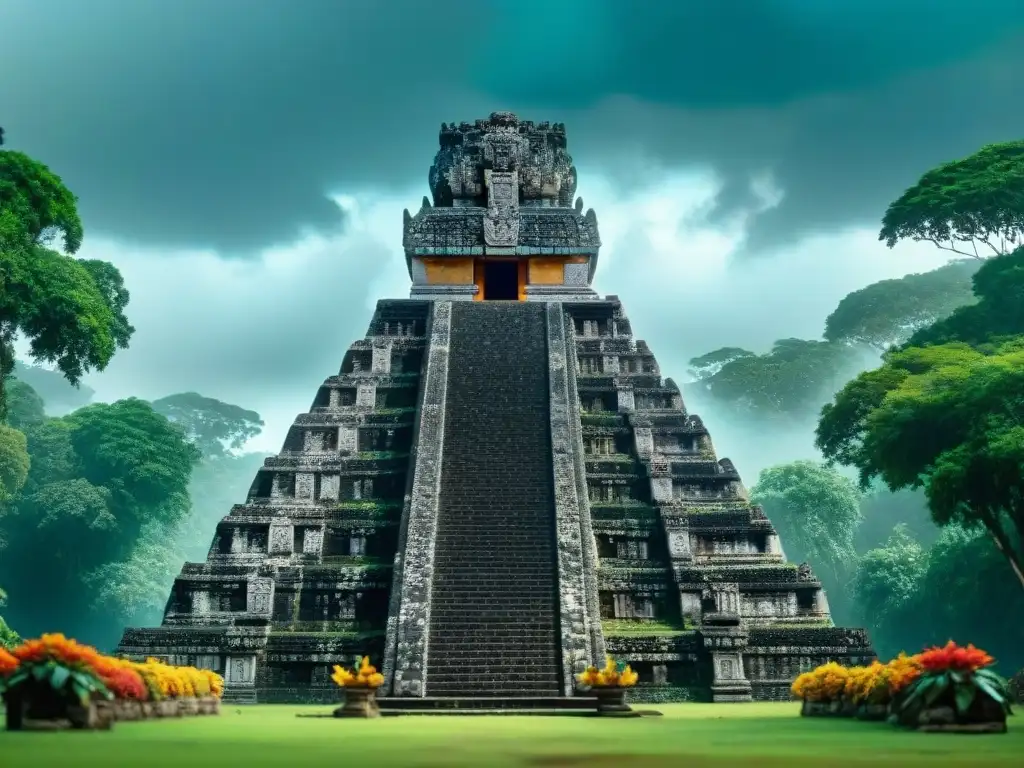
[494, 606]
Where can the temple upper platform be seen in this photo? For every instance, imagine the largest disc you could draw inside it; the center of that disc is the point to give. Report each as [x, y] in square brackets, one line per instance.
[503, 224]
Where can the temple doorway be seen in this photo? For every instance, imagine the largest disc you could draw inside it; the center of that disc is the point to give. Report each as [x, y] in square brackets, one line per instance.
[501, 280]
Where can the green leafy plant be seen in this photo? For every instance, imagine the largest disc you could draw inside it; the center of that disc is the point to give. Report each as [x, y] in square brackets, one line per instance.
[62, 679]
[954, 676]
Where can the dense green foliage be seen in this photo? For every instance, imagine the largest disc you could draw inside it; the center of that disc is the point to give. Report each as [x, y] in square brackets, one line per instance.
[966, 205]
[104, 519]
[14, 462]
[816, 512]
[8, 637]
[946, 418]
[943, 415]
[70, 311]
[887, 313]
[796, 377]
[999, 310]
[99, 477]
[912, 596]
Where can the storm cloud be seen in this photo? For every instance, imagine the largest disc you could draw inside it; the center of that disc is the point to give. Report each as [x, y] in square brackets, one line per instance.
[227, 124]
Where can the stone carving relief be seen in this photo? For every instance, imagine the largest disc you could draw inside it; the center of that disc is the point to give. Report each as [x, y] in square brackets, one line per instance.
[312, 541]
[304, 485]
[366, 396]
[258, 595]
[501, 224]
[281, 539]
[726, 597]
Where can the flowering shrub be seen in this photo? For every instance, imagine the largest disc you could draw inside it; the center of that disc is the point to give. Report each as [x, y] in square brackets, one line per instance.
[366, 676]
[121, 679]
[953, 676]
[612, 676]
[826, 683]
[874, 684]
[59, 649]
[951, 657]
[85, 671]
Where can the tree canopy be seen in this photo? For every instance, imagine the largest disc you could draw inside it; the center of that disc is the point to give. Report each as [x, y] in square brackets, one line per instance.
[795, 378]
[14, 462]
[964, 205]
[71, 311]
[998, 312]
[99, 479]
[912, 597]
[706, 366]
[887, 577]
[8, 637]
[946, 418]
[887, 313]
[214, 427]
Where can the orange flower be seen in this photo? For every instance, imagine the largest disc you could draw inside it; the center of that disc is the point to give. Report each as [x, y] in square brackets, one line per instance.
[952, 657]
[8, 663]
[58, 648]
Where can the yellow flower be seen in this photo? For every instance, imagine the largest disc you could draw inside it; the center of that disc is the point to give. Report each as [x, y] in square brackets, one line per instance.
[365, 676]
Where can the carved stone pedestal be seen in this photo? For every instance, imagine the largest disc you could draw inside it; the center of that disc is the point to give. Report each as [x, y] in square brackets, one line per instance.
[359, 702]
[611, 702]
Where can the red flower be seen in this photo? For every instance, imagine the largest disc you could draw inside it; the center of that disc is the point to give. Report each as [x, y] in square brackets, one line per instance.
[954, 658]
[124, 683]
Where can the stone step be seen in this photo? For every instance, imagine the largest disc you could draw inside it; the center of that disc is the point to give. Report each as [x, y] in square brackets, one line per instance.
[490, 616]
[495, 704]
[484, 643]
[485, 601]
[484, 678]
[509, 688]
[487, 637]
[494, 602]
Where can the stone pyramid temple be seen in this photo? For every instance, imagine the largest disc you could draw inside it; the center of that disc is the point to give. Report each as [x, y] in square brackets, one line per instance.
[498, 488]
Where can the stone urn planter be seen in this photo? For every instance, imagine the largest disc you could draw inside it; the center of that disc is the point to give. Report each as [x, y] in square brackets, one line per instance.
[359, 702]
[611, 700]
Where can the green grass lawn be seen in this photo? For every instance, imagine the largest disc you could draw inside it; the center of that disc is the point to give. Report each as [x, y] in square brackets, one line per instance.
[688, 736]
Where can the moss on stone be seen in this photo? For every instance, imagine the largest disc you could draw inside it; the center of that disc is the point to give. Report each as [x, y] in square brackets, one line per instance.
[642, 628]
[348, 634]
[354, 560]
[369, 506]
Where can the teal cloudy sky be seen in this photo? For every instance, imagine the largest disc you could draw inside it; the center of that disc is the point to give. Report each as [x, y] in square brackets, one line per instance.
[245, 162]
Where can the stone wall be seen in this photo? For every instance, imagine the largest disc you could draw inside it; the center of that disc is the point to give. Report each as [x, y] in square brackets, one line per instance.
[298, 576]
[406, 652]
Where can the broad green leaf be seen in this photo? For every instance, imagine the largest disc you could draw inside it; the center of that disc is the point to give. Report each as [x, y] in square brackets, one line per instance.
[59, 677]
[937, 687]
[991, 691]
[965, 694]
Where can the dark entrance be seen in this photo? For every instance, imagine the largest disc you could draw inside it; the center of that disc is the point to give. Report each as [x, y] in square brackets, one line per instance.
[501, 281]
